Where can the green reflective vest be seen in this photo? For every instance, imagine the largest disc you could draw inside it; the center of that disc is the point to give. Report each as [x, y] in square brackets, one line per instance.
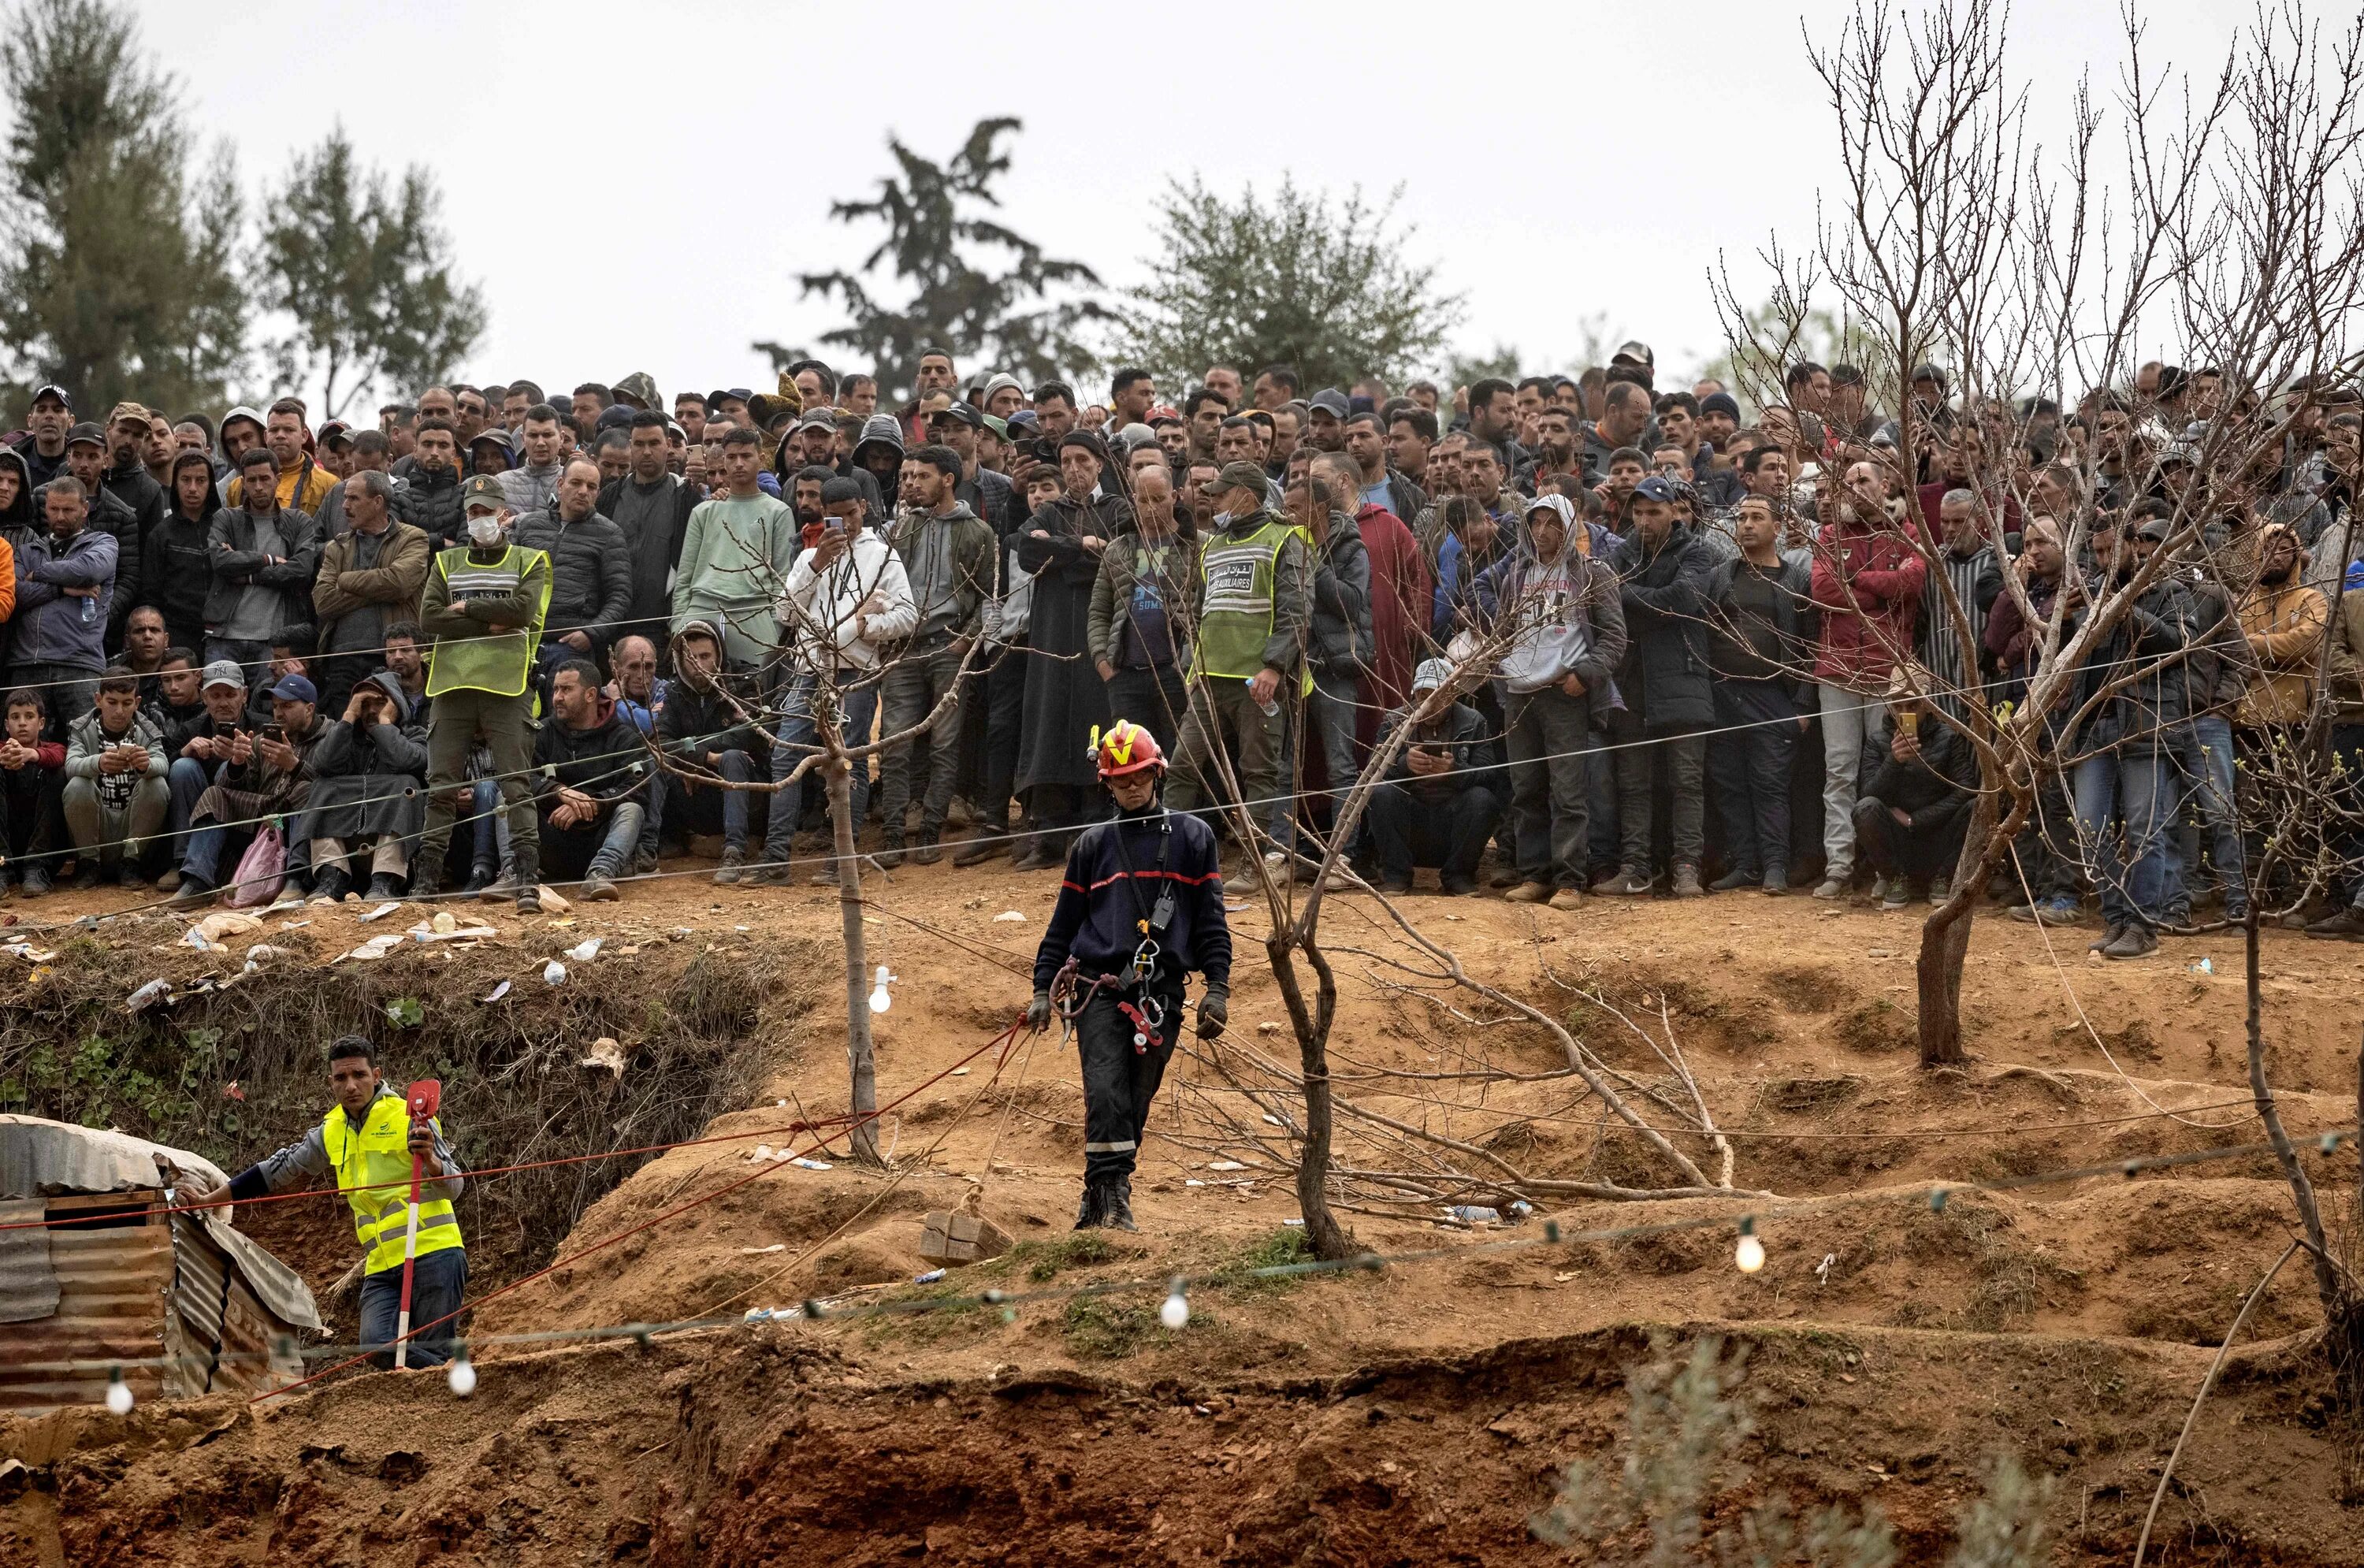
[379, 1154]
[1235, 620]
[497, 662]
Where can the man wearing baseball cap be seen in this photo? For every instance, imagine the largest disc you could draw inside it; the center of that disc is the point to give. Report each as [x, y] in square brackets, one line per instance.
[267, 774]
[484, 605]
[199, 748]
[43, 445]
[126, 475]
[1443, 792]
[1254, 606]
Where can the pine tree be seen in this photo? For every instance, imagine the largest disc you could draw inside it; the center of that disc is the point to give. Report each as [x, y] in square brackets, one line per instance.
[1004, 316]
[118, 275]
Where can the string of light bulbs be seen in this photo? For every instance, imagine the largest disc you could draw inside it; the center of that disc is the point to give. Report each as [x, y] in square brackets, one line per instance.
[1749, 1256]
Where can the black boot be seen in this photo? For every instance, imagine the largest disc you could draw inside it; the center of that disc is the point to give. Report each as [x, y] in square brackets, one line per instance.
[331, 886]
[528, 882]
[480, 876]
[1092, 1213]
[426, 876]
[383, 885]
[1116, 1204]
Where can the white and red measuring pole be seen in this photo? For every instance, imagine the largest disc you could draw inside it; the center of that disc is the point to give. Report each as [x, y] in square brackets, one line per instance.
[426, 1096]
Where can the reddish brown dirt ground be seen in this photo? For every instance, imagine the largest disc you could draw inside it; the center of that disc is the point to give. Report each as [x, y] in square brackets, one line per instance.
[1420, 1415]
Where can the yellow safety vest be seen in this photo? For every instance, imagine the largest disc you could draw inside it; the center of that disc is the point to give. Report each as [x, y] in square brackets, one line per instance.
[500, 662]
[1235, 617]
[380, 1154]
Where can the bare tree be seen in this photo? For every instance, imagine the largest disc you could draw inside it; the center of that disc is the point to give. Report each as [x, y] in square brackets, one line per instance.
[1959, 239]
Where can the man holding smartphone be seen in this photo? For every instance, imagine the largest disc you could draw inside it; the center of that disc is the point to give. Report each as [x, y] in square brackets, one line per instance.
[1443, 794]
[116, 796]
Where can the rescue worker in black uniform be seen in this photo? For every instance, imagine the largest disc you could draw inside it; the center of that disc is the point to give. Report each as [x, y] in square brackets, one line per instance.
[1140, 907]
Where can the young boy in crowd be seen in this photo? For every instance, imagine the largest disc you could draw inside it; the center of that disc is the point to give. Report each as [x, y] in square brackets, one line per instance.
[32, 789]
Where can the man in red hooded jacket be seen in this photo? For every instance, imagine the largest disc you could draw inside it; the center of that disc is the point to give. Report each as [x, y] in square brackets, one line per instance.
[1867, 577]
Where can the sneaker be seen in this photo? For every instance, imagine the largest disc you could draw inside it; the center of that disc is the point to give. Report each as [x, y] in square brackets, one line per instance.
[1039, 853]
[194, 889]
[2110, 934]
[1566, 898]
[928, 847]
[1627, 884]
[2134, 941]
[330, 885]
[1457, 886]
[383, 885]
[1731, 880]
[1530, 893]
[890, 850]
[1686, 882]
[1831, 888]
[1894, 895]
[36, 883]
[1502, 880]
[1940, 889]
[1275, 862]
[644, 862]
[733, 861]
[170, 881]
[480, 877]
[1777, 881]
[777, 874]
[597, 889]
[2347, 926]
[1881, 886]
[2058, 910]
[982, 848]
[1394, 887]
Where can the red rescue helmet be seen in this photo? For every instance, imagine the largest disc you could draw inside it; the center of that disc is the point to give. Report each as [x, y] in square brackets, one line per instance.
[1124, 748]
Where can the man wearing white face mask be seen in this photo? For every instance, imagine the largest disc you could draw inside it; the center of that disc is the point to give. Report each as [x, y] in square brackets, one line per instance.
[485, 604]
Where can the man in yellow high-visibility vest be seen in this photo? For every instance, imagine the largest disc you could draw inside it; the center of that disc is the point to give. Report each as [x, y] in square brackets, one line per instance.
[368, 1140]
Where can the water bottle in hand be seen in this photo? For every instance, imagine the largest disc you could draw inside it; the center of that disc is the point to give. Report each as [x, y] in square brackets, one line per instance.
[89, 609]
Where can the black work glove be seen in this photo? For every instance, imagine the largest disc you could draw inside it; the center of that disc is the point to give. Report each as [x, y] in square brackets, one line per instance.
[1214, 1008]
[1038, 1011]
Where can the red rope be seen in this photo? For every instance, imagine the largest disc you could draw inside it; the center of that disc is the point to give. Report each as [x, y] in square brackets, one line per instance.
[1004, 1040]
[84, 1218]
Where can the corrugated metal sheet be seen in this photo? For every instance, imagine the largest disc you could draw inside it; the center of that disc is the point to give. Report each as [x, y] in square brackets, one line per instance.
[111, 1288]
[279, 1289]
[28, 1285]
[39, 1158]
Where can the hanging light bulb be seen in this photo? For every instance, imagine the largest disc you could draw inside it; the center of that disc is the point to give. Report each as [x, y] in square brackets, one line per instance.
[1175, 1313]
[879, 1000]
[118, 1393]
[1750, 1257]
[463, 1374]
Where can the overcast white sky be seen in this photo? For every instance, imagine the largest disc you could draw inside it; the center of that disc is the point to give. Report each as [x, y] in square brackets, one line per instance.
[637, 185]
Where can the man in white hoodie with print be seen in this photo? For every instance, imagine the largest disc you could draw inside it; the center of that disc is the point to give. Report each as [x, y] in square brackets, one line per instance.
[845, 597]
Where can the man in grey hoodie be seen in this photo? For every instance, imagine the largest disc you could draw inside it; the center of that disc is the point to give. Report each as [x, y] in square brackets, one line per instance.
[948, 554]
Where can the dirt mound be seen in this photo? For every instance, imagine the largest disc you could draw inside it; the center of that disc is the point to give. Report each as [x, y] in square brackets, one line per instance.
[1420, 1415]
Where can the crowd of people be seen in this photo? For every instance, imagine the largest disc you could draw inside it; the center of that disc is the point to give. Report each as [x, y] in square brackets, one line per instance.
[503, 637]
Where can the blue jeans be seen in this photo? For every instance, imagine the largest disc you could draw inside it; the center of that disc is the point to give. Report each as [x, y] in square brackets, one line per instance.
[2136, 791]
[187, 778]
[2203, 766]
[857, 696]
[490, 825]
[438, 1280]
[698, 811]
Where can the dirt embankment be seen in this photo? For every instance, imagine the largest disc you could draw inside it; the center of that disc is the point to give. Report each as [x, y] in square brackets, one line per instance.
[1420, 1415]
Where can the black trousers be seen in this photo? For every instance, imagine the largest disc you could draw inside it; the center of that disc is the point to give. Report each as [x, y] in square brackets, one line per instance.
[1408, 831]
[1154, 698]
[1118, 1082]
[1005, 708]
[1895, 849]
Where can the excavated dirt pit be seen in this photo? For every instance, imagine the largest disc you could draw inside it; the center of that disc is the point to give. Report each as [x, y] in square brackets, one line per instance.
[1419, 1415]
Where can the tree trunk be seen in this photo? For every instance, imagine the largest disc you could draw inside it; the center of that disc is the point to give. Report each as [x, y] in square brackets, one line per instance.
[2326, 1277]
[1328, 1239]
[1946, 943]
[858, 1052]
